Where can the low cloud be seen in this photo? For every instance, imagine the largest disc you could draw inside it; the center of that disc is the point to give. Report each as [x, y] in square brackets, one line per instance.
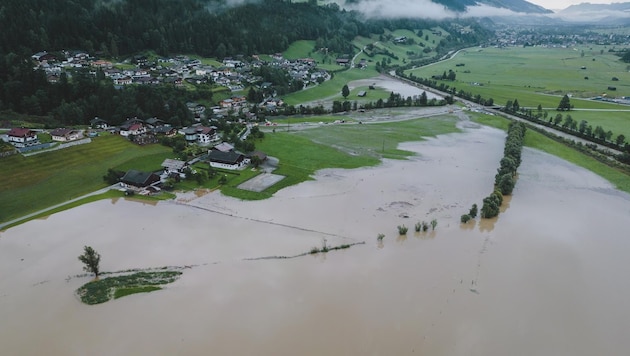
[400, 8]
[421, 9]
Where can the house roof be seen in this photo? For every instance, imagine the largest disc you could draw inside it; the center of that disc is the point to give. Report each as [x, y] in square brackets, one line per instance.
[61, 132]
[205, 130]
[223, 147]
[20, 132]
[163, 129]
[96, 120]
[139, 178]
[173, 164]
[225, 157]
[154, 121]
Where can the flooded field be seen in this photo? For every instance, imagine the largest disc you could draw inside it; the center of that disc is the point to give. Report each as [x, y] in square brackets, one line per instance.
[547, 278]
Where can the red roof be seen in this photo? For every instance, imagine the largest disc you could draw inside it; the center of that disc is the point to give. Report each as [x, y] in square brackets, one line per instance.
[135, 127]
[21, 132]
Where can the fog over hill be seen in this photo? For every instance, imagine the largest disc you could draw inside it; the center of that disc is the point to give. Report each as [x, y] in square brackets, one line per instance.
[439, 9]
[617, 13]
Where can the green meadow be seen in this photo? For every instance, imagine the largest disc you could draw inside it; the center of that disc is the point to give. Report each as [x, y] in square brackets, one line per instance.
[33, 183]
[541, 76]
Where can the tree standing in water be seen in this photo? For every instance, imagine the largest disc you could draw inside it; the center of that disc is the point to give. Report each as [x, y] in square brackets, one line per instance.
[91, 259]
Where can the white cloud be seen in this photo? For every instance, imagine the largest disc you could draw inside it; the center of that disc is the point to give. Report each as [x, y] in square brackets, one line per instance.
[420, 9]
[401, 8]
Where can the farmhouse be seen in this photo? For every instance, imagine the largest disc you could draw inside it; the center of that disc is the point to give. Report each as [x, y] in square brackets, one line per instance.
[173, 165]
[200, 134]
[224, 147]
[168, 131]
[97, 123]
[134, 129]
[154, 122]
[137, 179]
[22, 137]
[227, 160]
[63, 135]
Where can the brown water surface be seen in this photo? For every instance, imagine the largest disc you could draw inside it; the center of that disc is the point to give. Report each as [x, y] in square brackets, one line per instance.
[548, 277]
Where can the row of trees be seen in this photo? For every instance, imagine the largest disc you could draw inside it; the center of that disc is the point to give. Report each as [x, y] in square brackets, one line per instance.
[505, 179]
[568, 124]
[394, 100]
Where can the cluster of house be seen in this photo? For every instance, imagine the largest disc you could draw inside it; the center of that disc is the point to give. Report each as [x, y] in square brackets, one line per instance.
[22, 137]
[221, 156]
[143, 131]
[235, 74]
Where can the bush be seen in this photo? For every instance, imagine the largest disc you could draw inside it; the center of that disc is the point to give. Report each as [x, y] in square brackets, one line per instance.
[465, 218]
[473, 211]
[402, 230]
[380, 237]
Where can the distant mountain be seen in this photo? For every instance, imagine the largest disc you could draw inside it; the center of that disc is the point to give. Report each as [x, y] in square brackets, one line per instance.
[618, 13]
[514, 5]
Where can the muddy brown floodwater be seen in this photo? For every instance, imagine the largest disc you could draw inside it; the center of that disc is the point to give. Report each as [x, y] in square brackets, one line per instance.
[549, 277]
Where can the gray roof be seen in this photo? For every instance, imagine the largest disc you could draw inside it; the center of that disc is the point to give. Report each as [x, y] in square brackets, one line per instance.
[230, 157]
[173, 164]
[139, 179]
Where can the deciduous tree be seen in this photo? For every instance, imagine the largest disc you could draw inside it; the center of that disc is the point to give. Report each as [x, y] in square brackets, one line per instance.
[91, 260]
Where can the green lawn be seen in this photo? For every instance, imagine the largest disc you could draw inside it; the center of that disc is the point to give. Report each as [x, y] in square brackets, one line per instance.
[541, 142]
[36, 182]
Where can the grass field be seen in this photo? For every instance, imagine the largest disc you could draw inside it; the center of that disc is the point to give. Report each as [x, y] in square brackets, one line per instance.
[541, 142]
[542, 76]
[32, 183]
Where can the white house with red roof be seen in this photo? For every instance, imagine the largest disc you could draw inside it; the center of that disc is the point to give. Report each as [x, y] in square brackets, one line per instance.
[22, 137]
[132, 129]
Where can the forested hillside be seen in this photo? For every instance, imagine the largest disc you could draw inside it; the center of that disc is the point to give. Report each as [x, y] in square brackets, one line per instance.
[120, 28]
[205, 27]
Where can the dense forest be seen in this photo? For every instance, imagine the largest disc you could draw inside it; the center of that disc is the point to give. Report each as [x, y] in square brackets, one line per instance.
[120, 28]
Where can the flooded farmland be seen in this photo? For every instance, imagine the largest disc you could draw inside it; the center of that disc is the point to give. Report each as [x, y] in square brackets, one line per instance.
[548, 277]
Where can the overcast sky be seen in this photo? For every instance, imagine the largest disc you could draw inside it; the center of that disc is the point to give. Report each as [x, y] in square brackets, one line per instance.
[563, 4]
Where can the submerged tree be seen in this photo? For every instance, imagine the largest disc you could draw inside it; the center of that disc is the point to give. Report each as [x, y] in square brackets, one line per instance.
[91, 259]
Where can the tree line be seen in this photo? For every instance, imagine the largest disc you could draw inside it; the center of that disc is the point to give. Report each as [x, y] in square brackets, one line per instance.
[566, 123]
[505, 179]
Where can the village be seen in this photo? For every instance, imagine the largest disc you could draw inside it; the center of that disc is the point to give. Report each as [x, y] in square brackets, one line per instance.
[234, 74]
